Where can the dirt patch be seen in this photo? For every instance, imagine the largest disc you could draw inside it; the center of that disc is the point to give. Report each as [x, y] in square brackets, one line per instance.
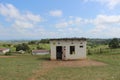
[50, 65]
[1, 79]
[7, 56]
[80, 63]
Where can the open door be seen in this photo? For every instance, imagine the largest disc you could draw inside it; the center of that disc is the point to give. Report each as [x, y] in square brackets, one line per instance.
[59, 52]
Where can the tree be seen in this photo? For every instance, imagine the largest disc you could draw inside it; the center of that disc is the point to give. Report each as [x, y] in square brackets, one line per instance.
[32, 42]
[23, 47]
[39, 47]
[114, 43]
[44, 41]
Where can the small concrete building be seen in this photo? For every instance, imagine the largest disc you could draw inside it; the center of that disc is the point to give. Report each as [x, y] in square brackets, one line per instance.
[4, 50]
[68, 48]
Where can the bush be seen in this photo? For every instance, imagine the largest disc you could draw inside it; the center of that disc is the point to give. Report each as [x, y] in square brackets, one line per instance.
[23, 47]
[44, 41]
[114, 43]
[39, 47]
[8, 53]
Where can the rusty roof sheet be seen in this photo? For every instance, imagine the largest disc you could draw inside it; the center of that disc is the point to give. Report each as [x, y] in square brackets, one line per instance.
[68, 39]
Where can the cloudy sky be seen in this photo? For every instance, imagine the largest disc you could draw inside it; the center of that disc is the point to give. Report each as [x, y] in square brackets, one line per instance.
[36, 19]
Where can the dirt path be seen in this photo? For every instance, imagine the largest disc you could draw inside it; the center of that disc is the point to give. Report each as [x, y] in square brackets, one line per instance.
[49, 65]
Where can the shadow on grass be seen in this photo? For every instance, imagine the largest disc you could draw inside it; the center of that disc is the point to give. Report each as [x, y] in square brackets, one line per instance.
[44, 57]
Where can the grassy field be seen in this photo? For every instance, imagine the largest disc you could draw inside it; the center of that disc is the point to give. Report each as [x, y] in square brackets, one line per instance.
[108, 72]
[24, 67]
[19, 67]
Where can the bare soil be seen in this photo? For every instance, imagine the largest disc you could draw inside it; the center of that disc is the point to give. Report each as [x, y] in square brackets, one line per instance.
[80, 63]
[50, 65]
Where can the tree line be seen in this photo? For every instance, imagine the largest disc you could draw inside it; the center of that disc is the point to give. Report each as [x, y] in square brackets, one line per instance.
[38, 41]
[112, 43]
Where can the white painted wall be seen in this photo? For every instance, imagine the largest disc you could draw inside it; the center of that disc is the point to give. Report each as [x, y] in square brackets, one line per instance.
[80, 53]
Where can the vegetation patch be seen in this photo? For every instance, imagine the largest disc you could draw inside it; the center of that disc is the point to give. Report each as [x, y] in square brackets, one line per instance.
[63, 72]
[103, 63]
[51, 65]
[18, 68]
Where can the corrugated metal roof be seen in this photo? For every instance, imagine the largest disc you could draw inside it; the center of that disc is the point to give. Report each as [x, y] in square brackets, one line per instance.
[69, 39]
[1, 49]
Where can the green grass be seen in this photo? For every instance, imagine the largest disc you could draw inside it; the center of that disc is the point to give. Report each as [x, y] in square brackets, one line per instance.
[108, 72]
[23, 67]
[102, 49]
[20, 67]
[111, 59]
[85, 73]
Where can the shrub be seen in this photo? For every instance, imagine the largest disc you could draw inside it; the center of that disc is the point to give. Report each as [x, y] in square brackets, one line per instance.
[23, 47]
[8, 53]
[114, 43]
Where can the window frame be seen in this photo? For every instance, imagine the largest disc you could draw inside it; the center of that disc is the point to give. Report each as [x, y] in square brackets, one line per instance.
[72, 50]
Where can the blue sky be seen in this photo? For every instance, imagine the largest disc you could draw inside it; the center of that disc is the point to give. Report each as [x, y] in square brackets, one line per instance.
[37, 19]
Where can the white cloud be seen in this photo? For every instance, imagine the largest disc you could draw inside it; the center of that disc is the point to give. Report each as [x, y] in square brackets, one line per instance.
[8, 10]
[20, 33]
[104, 19]
[70, 32]
[20, 24]
[32, 17]
[61, 25]
[70, 22]
[111, 4]
[56, 13]
[113, 32]
[98, 29]
[13, 14]
[78, 20]
[106, 26]
[24, 25]
[27, 25]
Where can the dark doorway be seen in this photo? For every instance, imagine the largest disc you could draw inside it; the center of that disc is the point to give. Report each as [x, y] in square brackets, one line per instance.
[59, 52]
